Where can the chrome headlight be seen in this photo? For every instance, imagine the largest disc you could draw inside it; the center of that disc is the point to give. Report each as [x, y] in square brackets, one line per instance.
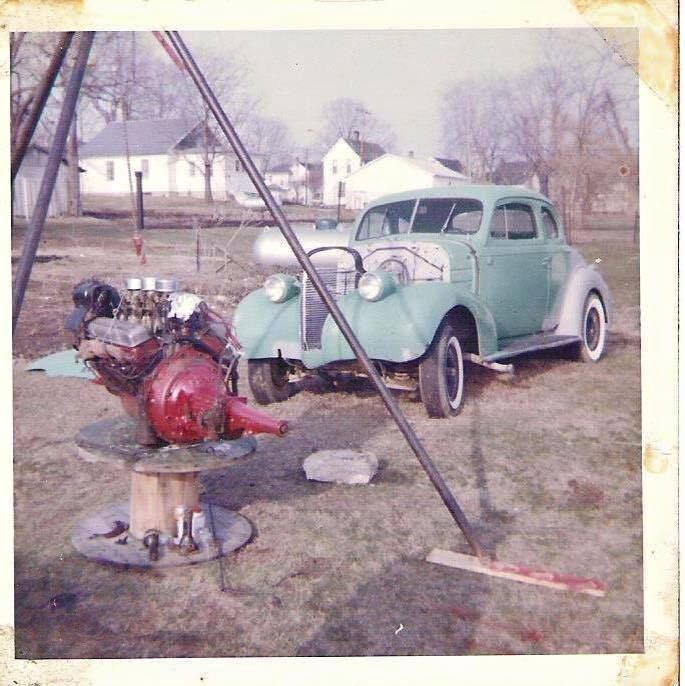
[281, 287]
[376, 285]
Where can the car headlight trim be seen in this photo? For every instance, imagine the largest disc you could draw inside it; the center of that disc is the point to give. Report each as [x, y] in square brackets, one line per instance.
[281, 287]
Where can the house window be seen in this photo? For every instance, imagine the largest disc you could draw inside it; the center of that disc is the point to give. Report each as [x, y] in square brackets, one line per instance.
[335, 168]
[349, 168]
[191, 169]
[237, 165]
[145, 168]
[110, 170]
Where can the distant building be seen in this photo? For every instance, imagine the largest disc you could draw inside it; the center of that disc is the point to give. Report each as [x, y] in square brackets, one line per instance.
[300, 182]
[168, 152]
[345, 157]
[27, 184]
[307, 182]
[516, 173]
[394, 173]
[278, 176]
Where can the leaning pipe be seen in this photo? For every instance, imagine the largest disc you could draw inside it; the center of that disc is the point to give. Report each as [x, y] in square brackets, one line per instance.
[47, 185]
[42, 93]
[222, 120]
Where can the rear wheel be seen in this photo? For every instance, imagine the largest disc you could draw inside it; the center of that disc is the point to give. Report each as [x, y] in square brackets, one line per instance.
[593, 333]
[441, 374]
[268, 380]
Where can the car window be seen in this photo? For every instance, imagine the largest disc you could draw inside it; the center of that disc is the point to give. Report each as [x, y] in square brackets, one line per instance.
[514, 220]
[447, 214]
[466, 217]
[432, 215]
[385, 220]
[550, 224]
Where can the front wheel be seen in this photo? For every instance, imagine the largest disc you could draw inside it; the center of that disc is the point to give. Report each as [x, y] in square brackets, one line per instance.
[594, 330]
[268, 380]
[441, 374]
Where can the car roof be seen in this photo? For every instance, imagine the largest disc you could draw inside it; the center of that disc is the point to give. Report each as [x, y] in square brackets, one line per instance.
[486, 193]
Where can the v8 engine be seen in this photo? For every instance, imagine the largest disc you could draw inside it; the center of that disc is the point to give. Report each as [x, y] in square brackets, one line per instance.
[170, 358]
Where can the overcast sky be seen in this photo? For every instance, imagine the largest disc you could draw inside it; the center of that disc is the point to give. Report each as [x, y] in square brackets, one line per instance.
[399, 75]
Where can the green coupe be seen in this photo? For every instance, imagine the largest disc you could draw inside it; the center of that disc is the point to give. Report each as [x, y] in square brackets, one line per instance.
[430, 279]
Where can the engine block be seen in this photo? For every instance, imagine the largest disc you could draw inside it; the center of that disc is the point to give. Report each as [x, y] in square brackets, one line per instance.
[168, 356]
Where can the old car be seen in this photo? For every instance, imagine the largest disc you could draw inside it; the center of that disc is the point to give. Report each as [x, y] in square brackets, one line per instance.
[430, 279]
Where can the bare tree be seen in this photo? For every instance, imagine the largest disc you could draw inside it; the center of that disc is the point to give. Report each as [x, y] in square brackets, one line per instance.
[269, 138]
[470, 129]
[562, 118]
[344, 116]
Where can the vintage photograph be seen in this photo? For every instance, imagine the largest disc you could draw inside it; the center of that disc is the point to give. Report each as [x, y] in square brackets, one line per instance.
[326, 343]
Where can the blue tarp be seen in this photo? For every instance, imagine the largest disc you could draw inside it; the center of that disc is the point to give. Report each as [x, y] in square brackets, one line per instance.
[63, 363]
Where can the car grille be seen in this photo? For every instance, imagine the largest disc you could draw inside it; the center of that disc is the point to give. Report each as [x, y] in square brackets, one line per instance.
[314, 312]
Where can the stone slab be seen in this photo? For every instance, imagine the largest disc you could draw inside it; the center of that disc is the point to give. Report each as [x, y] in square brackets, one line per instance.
[341, 466]
[232, 531]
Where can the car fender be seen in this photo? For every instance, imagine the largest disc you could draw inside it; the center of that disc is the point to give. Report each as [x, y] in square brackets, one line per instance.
[267, 329]
[402, 326]
[581, 282]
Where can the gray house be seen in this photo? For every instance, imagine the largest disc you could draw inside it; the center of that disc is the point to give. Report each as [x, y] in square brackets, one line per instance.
[27, 184]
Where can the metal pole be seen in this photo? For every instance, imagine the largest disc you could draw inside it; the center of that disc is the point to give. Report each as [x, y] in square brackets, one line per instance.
[41, 97]
[47, 185]
[340, 186]
[433, 474]
[140, 221]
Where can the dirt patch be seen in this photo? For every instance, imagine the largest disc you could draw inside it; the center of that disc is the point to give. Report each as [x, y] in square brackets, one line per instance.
[547, 467]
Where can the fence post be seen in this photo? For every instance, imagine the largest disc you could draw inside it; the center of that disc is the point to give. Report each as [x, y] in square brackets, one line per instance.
[140, 222]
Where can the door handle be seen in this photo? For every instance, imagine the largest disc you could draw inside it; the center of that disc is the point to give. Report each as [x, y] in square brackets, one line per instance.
[547, 261]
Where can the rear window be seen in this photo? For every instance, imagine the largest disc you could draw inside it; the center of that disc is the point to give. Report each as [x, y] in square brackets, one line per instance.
[386, 220]
[513, 221]
[460, 216]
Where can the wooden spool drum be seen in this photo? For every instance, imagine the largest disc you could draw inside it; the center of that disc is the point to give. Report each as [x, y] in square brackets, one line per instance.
[162, 480]
[154, 498]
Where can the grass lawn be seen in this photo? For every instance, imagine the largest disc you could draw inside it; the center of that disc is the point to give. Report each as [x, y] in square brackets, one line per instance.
[547, 466]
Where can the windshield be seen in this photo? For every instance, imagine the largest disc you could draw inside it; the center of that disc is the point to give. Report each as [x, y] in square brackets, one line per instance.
[386, 220]
[434, 215]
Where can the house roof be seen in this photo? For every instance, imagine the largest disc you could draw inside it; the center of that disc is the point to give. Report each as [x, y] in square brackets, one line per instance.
[454, 165]
[427, 165]
[279, 169]
[44, 151]
[145, 137]
[365, 149]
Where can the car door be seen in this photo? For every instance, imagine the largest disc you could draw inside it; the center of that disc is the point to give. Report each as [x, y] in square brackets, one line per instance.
[514, 269]
[558, 264]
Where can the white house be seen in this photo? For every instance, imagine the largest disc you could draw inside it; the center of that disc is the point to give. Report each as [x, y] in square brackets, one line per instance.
[168, 152]
[395, 173]
[279, 176]
[307, 181]
[345, 157]
[28, 180]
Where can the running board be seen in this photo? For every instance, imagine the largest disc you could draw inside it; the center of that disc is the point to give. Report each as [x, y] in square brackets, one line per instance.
[532, 344]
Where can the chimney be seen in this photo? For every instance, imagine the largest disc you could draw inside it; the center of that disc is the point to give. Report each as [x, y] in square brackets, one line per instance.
[355, 136]
[410, 153]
